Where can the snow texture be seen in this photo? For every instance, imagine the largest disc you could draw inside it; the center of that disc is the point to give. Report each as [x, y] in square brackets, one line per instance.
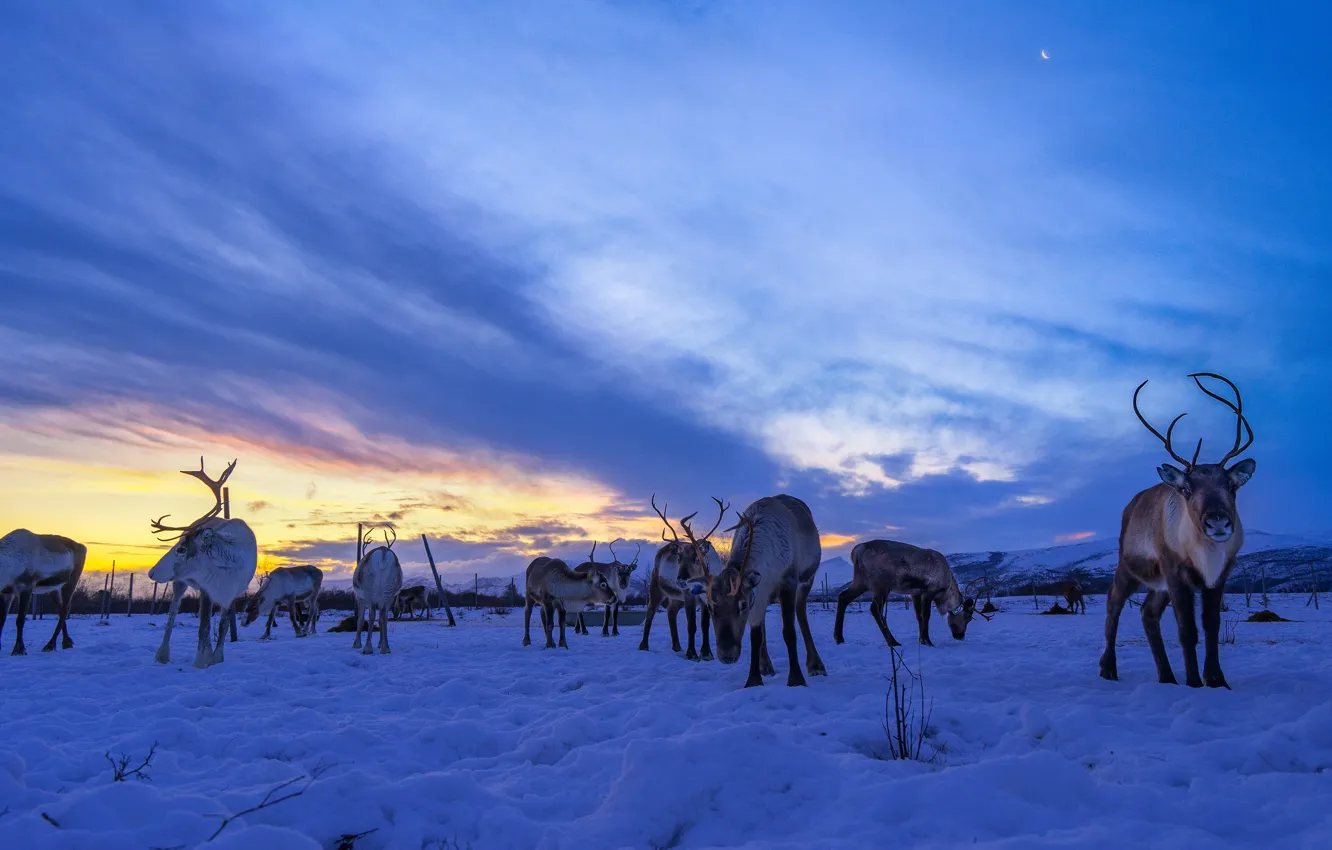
[464, 738]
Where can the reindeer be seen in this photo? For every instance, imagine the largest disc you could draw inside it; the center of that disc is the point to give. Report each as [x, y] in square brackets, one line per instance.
[887, 566]
[552, 585]
[213, 555]
[774, 554]
[32, 564]
[411, 597]
[375, 583]
[292, 585]
[610, 623]
[585, 568]
[1180, 536]
[1073, 595]
[674, 568]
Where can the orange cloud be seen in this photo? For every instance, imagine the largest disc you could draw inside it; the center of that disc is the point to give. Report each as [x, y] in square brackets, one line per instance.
[1074, 537]
[833, 540]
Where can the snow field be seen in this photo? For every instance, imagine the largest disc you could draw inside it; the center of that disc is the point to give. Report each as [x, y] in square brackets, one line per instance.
[463, 737]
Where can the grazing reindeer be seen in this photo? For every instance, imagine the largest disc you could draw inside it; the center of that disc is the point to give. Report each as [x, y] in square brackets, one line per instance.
[411, 597]
[552, 585]
[610, 623]
[376, 583]
[679, 580]
[774, 553]
[886, 566]
[35, 564]
[1177, 537]
[213, 555]
[1073, 595]
[292, 585]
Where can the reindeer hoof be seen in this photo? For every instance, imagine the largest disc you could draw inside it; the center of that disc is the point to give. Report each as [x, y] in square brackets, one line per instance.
[162, 657]
[1194, 682]
[527, 641]
[642, 647]
[754, 682]
[795, 680]
[691, 655]
[67, 644]
[615, 634]
[924, 642]
[676, 648]
[50, 647]
[384, 650]
[816, 668]
[18, 650]
[1218, 682]
[707, 656]
[837, 639]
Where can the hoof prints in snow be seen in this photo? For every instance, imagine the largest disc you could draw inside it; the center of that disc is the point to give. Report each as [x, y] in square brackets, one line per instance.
[463, 737]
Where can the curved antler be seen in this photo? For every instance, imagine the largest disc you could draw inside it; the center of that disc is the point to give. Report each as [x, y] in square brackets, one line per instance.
[698, 544]
[593, 557]
[1236, 407]
[664, 519]
[214, 486]
[638, 551]
[1169, 431]
[749, 547]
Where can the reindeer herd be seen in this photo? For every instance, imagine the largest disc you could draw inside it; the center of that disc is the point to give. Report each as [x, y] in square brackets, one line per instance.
[1178, 538]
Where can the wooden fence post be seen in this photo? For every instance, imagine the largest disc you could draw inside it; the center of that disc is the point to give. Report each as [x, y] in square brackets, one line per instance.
[439, 585]
[129, 607]
[152, 606]
[1313, 582]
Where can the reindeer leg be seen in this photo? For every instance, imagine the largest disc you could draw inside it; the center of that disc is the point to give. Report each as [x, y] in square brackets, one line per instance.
[560, 610]
[383, 636]
[706, 654]
[691, 623]
[548, 622]
[765, 660]
[223, 626]
[755, 664]
[605, 622]
[359, 614]
[876, 611]
[4, 609]
[1123, 587]
[527, 622]
[787, 598]
[813, 663]
[61, 608]
[672, 610]
[203, 652]
[268, 625]
[369, 649]
[1152, 607]
[163, 655]
[615, 623]
[1181, 599]
[654, 600]
[1211, 622]
[853, 591]
[922, 603]
[24, 602]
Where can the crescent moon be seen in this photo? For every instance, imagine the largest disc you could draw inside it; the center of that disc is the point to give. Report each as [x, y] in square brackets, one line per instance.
[1044, 55]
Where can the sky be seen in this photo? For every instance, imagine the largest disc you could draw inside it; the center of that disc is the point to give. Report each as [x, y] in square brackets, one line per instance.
[498, 273]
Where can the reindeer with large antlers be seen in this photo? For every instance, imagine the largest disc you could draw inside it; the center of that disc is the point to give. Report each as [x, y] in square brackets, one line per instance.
[775, 553]
[679, 580]
[886, 566]
[553, 586]
[1181, 536]
[375, 584]
[213, 555]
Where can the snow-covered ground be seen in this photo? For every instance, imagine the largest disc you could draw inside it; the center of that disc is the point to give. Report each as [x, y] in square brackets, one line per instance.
[463, 737]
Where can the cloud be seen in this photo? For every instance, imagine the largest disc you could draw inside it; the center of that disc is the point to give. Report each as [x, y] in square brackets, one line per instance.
[1074, 537]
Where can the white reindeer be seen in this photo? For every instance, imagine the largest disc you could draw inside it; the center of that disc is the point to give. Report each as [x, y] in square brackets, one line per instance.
[35, 564]
[292, 585]
[376, 583]
[216, 557]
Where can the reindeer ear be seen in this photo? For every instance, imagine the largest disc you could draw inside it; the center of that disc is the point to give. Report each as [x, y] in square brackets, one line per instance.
[1241, 472]
[1172, 476]
[968, 604]
[752, 579]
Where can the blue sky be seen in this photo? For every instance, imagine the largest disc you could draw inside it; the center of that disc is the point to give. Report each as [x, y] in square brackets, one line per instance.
[884, 258]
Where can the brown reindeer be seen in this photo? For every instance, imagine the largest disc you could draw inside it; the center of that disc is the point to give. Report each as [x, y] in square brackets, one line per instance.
[32, 564]
[678, 580]
[553, 586]
[1177, 537]
[411, 598]
[887, 566]
[1073, 595]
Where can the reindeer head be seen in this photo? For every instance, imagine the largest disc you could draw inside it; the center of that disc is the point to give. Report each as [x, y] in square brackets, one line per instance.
[695, 559]
[205, 539]
[623, 571]
[732, 593]
[1208, 489]
[963, 610]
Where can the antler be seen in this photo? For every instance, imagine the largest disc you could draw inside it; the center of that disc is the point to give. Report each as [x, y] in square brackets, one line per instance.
[214, 486]
[664, 519]
[638, 551]
[1169, 431]
[698, 544]
[749, 547]
[1237, 407]
[593, 556]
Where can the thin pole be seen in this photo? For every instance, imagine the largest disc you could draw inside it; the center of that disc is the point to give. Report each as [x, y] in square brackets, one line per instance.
[439, 585]
[152, 606]
[129, 607]
[1313, 582]
[476, 591]
[107, 615]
